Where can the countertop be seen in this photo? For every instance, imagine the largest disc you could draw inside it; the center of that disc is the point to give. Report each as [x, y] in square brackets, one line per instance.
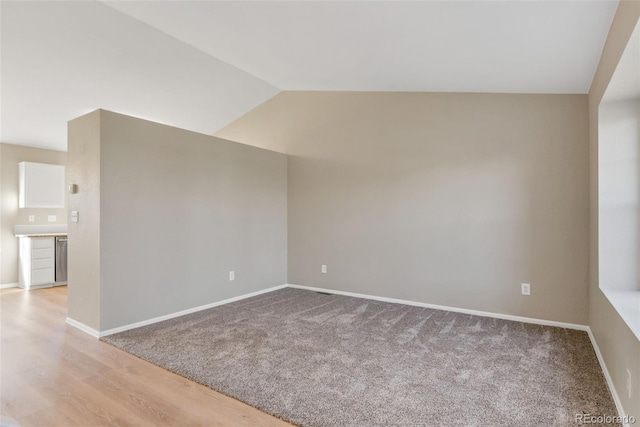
[40, 230]
[43, 235]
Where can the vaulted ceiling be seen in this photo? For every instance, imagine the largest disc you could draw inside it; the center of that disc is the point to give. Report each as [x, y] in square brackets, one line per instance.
[201, 64]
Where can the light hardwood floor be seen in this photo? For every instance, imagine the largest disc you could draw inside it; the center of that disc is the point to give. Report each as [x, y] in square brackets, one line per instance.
[52, 374]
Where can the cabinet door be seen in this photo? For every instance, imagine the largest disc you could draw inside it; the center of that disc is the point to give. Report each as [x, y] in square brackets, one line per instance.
[42, 260]
[41, 185]
[42, 276]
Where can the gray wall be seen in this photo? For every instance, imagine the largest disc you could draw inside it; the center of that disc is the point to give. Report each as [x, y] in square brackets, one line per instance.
[10, 214]
[451, 199]
[178, 211]
[83, 246]
[619, 346]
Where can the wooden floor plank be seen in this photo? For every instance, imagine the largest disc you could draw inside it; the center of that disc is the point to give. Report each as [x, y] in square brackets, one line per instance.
[52, 374]
[51, 416]
[19, 397]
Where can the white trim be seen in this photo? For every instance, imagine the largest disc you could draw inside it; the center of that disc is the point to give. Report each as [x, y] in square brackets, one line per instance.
[627, 304]
[9, 285]
[605, 371]
[587, 329]
[84, 328]
[184, 312]
[447, 308]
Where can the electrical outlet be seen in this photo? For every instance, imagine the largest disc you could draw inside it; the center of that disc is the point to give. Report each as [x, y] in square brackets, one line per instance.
[232, 276]
[32, 218]
[629, 383]
[526, 289]
[52, 218]
[323, 268]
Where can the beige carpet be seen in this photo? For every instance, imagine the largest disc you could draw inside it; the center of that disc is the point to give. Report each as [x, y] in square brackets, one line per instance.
[327, 360]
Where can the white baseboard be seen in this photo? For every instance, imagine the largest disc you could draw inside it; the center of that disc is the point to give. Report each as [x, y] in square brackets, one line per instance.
[9, 285]
[585, 328]
[184, 312]
[616, 399]
[605, 371]
[446, 308]
[84, 328]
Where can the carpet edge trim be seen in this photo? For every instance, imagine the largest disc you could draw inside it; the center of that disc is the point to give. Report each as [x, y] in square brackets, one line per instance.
[195, 380]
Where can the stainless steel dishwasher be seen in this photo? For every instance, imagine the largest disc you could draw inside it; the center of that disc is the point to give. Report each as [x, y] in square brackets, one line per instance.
[61, 261]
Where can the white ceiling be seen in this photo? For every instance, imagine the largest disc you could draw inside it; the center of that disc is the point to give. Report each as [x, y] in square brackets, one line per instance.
[61, 60]
[201, 64]
[444, 46]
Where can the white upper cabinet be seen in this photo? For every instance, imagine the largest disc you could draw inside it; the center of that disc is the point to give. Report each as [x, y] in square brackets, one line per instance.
[41, 185]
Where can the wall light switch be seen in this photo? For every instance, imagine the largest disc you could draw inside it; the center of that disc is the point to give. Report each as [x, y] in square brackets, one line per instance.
[74, 216]
[32, 218]
[232, 276]
[52, 218]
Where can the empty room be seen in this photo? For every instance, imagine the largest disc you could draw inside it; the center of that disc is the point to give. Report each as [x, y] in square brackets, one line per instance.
[320, 213]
